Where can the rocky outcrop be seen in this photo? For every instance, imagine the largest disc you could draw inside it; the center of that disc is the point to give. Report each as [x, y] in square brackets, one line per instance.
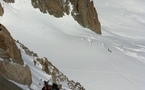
[1, 10]
[86, 15]
[8, 48]
[15, 72]
[11, 63]
[7, 85]
[57, 76]
[83, 11]
[53, 7]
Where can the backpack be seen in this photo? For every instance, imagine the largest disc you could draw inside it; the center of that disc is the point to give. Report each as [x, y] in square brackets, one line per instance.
[55, 87]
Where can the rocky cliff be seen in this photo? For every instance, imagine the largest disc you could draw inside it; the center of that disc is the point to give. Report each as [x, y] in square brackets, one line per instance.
[8, 48]
[11, 63]
[7, 85]
[1, 10]
[83, 11]
[57, 76]
[85, 14]
[53, 7]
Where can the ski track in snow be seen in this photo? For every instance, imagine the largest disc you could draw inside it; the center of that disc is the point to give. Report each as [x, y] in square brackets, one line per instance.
[132, 52]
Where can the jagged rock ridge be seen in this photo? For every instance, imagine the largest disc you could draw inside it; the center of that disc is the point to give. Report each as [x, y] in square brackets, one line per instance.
[11, 63]
[53, 7]
[57, 76]
[83, 11]
[8, 47]
[85, 14]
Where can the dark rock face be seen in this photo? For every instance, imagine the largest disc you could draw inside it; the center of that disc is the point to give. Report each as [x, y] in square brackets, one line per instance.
[53, 7]
[8, 48]
[11, 63]
[15, 72]
[83, 11]
[86, 15]
[7, 85]
[1, 10]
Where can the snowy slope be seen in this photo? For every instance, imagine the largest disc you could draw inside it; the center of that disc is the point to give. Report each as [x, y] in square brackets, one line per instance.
[112, 61]
[124, 18]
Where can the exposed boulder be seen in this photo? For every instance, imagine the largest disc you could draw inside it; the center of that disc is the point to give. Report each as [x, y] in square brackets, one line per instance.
[7, 85]
[4, 54]
[15, 72]
[8, 48]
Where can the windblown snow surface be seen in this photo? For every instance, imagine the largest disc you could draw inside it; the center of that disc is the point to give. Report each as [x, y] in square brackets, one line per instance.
[114, 60]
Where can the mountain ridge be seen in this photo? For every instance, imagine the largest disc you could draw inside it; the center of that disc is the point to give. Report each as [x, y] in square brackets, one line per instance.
[96, 61]
[83, 11]
[11, 62]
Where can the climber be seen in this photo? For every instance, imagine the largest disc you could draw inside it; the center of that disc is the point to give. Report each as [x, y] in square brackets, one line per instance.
[54, 85]
[46, 86]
